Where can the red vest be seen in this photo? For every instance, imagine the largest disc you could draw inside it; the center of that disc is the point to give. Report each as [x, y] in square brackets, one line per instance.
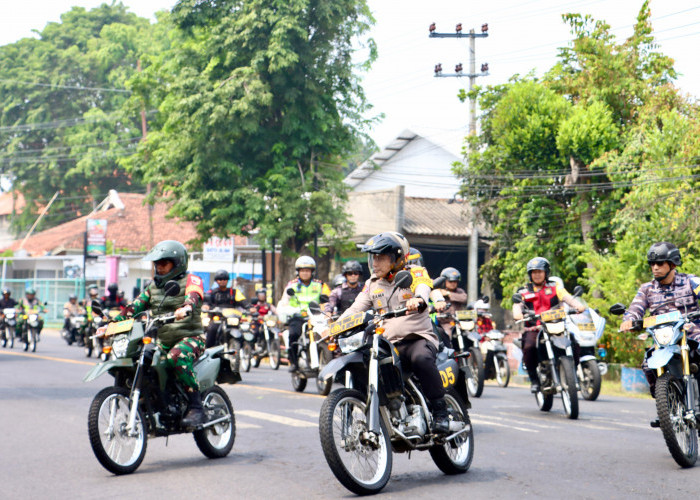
[543, 299]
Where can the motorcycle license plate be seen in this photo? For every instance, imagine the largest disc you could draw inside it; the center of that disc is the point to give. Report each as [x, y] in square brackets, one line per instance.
[348, 323]
[662, 318]
[120, 327]
[466, 315]
[552, 315]
[586, 327]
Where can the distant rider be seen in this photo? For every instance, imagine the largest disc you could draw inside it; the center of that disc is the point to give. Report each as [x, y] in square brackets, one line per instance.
[31, 302]
[224, 297]
[71, 309]
[343, 296]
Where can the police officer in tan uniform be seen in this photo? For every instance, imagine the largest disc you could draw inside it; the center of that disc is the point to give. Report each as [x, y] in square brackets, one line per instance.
[412, 335]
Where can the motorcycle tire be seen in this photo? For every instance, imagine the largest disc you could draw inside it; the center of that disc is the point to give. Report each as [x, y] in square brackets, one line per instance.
[11, 334]
[590, 382]
[246, 356]
[502, 369]
[544, 401]
[455, 457]
[216, 441]
[569, 392]
[681, 438]
[88, 349]
[340, 423]
[25, 341]
[298, 382]
[475, 385]
[256, 361]
[4, 339]
[275, 355]
[323, 386]
[112, 457]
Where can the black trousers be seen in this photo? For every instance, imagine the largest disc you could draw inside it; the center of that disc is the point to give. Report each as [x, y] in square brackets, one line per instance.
[295, 326]
[212, 333]
[418, 356]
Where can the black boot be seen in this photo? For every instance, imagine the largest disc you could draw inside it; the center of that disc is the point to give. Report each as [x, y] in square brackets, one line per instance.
[195, 415]
[441, 420]
[534, 381]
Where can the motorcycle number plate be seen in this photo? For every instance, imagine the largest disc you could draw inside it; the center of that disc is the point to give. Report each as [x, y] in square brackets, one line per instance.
[586, 327]
[552, 315]
[468, 314]
[229, 311]
[662, 318]
[348, 323]
[120, 327]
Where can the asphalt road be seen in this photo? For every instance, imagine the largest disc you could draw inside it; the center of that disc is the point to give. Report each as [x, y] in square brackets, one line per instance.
[609, 452]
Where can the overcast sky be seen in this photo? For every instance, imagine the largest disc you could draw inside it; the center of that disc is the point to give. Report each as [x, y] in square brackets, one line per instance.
[523, 36]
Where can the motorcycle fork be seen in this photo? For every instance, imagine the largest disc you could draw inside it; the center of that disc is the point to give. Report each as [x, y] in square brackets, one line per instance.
[373, 383]
[135, 395]
[460, 339]
[690, 382]
[552, 359]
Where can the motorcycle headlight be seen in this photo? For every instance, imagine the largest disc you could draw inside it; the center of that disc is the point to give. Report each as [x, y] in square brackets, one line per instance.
[495, 335]
[119, 345]
[249, 336]
[232, 321]
[351, 343]
[466, 325]
[97, 320]
[271, 323]
[556, 328]
[664, 335]
[245, 326]
[33, 317]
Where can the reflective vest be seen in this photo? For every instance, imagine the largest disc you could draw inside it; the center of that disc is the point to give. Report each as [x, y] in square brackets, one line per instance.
[304, 294]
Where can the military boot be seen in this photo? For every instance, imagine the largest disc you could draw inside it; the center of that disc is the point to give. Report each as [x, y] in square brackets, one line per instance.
[195, 415]
[441, 420]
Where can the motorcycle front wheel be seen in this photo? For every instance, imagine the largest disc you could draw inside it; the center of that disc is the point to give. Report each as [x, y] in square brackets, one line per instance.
[33, 339]
[590, 382]
[502, 370]
[544, 401]
[118, 450]
[274, 355]
[9, 337]
[569, 393]
[246, 356]
[361, 465]
[681, 437]
[475, 383]
[216, 441]
[25, 340]
[456, 456]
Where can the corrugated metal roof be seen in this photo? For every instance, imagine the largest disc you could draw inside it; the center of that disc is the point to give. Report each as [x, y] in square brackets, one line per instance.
[434, 217]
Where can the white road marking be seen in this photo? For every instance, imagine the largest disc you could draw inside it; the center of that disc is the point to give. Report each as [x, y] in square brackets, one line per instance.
[512, 417]
[244, 425]
[478, 421]
[305, 412]
[278, 419]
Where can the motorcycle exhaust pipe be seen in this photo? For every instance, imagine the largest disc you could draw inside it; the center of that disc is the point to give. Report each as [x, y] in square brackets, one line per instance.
[227, 418]
[466, 428]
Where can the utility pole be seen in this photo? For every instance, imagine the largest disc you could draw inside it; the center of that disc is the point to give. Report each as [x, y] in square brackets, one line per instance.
[473, 253]
[144, 135]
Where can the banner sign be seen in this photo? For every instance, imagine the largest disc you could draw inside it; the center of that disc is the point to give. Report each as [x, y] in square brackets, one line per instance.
[218, 249]
[96, 237]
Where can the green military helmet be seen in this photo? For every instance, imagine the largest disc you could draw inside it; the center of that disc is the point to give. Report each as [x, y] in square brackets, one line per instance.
[30, 291]
[173, 251]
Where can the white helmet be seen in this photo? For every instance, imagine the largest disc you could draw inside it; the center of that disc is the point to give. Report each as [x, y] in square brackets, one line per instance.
[480, 304]
[305, 262]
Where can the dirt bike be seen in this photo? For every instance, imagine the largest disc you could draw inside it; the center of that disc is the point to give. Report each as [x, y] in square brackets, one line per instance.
[675, 358]
[382, 410]
[9, 323]
[495, 358]
[31, 327]
[75, 328]
[266, 341]
[147, 401]
[228, 333]
[587, 328]
[555, 369]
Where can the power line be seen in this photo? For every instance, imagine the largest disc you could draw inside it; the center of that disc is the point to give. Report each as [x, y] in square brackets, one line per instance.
[66, 87]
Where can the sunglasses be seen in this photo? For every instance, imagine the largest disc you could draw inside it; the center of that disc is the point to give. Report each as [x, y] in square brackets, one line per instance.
[657, 262]
[353, 273]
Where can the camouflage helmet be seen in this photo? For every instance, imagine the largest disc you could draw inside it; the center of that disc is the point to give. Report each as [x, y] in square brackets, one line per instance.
[351, 266]
[173, 251]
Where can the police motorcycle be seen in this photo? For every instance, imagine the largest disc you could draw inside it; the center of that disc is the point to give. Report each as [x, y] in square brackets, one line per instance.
[246, 341]
[228, 331]
[266, 339]
[9, 323]
[75, 328]
[675, 359]
[147, 401]
[312, 352]
[587, 328]
[495, 354]
[91, 341]
[30, 327]
[555, 369]
[382, 410]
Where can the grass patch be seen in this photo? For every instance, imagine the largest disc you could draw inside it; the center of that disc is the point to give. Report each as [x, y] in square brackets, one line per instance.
[614, 388]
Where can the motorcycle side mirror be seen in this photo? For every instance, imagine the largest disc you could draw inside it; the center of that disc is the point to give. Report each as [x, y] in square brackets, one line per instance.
[403, 279]
[314, 307]
[253, 301]
[81, 302]
[46, 303]
[578, 291]
[617, 309]
[485, 298]
[171, 288]
[324, 299]
[517, 298]
[290, 292]
[439, 282]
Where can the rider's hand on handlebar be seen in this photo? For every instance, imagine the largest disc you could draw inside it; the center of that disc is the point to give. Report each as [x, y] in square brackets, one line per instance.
[101, 331]
[626, 326]
[440, 306]
[182, 312]
[414, 303]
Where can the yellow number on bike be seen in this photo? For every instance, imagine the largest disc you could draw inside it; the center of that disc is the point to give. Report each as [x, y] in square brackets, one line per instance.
[450, 376]
[443, 376]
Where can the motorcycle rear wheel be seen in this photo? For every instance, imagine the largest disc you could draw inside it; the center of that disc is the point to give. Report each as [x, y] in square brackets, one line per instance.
[590, 383]
[502, 370]
[456, 456]
[275, 355]
[216, 441]
[569, 393]
[681, 438]
[360, 467]
[475, 384]
[116, 451]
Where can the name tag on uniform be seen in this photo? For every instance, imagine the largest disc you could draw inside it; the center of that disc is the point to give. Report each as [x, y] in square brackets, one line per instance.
[548, 291]
[528, 296]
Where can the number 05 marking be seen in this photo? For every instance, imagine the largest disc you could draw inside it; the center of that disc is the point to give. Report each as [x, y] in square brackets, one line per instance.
[448, 377]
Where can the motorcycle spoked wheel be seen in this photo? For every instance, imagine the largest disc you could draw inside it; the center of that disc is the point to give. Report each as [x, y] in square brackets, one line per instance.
[360, 467]
[89, 347]
[475, 384]
[323, 386]
[544, 401]
[234, 345]
[681, 438]
[114, 448]
[502, 369]
[33, 339]
[25, 339]
[569, 393]
[456, 456]
[216, 441]
[275, 355]
[9, 337]
[590, 382]
[246, 356]
[299, 382]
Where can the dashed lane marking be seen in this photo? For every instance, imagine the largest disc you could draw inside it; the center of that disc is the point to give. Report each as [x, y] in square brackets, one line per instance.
[282, 391]
[278, 419]
[49, 358]
[479, 421]
[305, 412]
[244, 425]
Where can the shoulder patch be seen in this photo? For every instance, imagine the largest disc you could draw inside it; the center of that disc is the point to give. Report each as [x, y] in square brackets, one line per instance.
[420, 277]
[194, 284]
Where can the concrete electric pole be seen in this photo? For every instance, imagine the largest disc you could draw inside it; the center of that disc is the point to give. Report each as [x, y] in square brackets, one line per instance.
[473, 255]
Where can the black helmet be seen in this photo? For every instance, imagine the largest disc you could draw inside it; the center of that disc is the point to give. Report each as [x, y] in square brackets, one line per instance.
[72, 296]
[6, 291]
[451, 274]
[664, 252]
[121, 294]
[415, 258]
[538, 263]
[388, 243]
[261, 290]
[173, 251]
[351, 266]
[338, 280]
[92, 290]
[112, 288]
[221, 274]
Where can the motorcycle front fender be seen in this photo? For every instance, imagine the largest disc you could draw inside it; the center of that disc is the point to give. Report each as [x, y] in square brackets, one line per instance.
[660, 357]
[101, 368]
[560, 341]
[339, 364]
[587, 358]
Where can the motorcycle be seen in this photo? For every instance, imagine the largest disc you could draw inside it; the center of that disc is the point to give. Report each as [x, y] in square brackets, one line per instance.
[228, 332]
[587, 328]
[555, 369]
[9, 323]
[674, 357]
[383, 410]
[247, 342]
[76, 325]
[91, 341]
[266, 341]
[495, 358]
[146, 400]
[30, 328]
